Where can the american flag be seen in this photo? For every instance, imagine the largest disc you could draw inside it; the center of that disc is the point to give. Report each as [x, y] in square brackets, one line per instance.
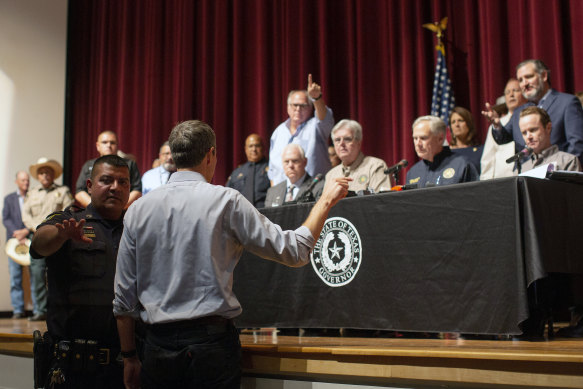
[443, 101]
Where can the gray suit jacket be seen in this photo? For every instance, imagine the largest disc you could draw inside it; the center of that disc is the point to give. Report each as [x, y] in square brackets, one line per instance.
[11, 217]
[276, 194]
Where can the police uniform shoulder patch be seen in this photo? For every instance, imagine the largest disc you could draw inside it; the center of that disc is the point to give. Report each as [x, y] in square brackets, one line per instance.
[448, 173]
[51, 216]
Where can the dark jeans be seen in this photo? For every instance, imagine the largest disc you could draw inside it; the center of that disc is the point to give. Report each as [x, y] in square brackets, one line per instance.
[191, 355]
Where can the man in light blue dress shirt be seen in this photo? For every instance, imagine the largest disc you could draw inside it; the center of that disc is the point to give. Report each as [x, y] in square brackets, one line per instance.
[178, 279]
[158, 176]
[309, 131]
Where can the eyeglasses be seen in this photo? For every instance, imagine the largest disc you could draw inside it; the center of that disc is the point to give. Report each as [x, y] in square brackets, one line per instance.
[346, 139]
[300, 106]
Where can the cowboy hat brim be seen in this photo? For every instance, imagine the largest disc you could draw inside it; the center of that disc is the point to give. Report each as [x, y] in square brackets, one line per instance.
[19, 252]
[42, 162]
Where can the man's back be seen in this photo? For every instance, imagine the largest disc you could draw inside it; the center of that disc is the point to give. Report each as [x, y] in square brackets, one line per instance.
[193, 256]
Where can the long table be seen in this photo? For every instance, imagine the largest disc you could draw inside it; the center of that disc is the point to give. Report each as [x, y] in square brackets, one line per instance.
[457, 258]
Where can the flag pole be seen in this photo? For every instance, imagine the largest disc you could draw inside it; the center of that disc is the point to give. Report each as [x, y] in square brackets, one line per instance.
[443, 100]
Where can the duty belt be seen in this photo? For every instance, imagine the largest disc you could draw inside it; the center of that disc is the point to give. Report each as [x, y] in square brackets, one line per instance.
[81, 354]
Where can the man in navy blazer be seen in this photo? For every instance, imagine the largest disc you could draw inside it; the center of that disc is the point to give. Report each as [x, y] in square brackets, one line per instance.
[564, 109]
[12, 220]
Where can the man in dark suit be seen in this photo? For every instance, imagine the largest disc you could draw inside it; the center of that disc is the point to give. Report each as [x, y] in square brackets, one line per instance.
[297, 180]
[12, 220]
[564, 110]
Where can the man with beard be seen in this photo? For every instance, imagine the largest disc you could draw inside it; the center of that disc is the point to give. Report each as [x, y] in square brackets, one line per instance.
[564, 110]
[158, 176]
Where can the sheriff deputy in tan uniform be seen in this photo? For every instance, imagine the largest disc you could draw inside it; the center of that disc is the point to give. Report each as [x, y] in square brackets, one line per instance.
[366, 172]
[41, 201]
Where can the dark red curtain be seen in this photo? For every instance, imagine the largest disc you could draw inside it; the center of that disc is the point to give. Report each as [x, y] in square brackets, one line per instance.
[139, 67]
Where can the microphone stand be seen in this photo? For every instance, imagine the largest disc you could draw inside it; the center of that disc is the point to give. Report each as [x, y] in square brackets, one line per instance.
[396, 177]
[518, 165]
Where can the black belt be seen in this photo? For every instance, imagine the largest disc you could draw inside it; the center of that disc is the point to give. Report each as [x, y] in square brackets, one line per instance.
[81, 351]
[200, 322]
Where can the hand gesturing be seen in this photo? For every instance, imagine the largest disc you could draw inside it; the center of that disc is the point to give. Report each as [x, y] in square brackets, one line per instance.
[71, 229]
[314, 90]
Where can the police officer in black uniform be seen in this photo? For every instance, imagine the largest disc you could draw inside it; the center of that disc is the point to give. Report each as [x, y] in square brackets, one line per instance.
[251, 178]
[81, 249]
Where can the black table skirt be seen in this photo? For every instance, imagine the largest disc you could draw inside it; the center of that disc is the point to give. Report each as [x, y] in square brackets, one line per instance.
[446, 259]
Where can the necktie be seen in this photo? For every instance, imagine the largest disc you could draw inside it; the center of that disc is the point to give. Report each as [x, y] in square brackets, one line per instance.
[289, 196]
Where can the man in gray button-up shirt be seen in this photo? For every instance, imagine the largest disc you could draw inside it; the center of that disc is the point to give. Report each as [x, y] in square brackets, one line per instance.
[178, 279]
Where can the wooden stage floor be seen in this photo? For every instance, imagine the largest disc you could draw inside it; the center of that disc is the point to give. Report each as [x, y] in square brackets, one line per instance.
[397, 362]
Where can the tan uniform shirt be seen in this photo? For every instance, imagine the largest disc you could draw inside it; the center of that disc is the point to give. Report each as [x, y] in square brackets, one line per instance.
[40, 202]
[366, 172]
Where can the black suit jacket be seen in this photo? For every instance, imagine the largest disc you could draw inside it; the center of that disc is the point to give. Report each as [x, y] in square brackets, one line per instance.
[276, 194]
[11, 217]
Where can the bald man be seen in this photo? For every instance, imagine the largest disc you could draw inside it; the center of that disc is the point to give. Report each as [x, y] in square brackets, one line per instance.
[107, 144]
[251, 178]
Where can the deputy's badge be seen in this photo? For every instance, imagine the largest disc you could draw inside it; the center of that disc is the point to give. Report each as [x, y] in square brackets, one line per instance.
[240, 175]
[266, 169]
[448, 173]
[363, 179]
[414, 180]
[337, 255]
[88, 232]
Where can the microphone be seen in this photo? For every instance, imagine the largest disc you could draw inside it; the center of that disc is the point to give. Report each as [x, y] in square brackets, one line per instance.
[308, 195]
[526, 152]
[395, 168]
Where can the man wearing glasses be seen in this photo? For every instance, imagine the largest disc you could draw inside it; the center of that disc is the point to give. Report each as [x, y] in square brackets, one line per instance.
[367, 173]
[305, 126]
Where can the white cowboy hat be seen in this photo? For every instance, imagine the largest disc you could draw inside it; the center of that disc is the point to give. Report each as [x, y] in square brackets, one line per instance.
[18, 251]
[57, 168]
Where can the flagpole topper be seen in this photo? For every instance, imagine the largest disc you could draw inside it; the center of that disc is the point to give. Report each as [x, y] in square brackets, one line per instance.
[438, 28]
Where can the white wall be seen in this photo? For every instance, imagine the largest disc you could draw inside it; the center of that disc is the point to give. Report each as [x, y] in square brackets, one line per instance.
[33, 43]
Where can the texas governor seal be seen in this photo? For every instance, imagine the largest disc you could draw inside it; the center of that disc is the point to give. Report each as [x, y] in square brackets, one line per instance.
[337, 255]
